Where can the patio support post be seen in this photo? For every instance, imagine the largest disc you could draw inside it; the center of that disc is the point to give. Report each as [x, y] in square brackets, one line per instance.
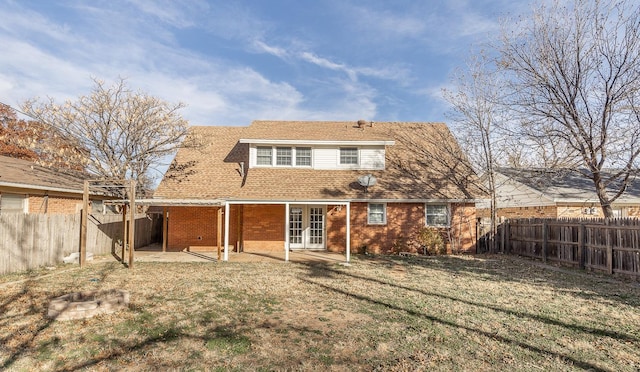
[125, 232]
[226, 231]
[348, 232]
[219, 232]
[165, 228]
[286, 231]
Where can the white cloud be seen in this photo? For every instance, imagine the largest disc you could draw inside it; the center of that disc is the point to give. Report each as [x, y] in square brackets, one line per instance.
[261, 46]
[383, 24]
[323, 62]
[178, 14]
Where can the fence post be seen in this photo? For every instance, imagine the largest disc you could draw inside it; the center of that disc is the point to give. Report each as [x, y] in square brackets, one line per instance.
[507, 244]
[609, 251]
[83, 224]
[502, 236]
[544, 241]
[581, 239]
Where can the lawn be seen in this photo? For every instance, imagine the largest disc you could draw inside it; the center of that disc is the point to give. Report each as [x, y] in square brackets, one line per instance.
[381, 313]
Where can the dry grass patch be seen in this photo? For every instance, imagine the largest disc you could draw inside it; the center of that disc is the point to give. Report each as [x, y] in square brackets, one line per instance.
[462, 313]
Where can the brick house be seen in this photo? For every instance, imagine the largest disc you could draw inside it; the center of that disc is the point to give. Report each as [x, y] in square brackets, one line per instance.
[335, 186]
[564, 193]
[26, 187]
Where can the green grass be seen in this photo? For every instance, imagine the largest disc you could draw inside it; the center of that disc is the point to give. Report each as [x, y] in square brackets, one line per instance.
[382, 313]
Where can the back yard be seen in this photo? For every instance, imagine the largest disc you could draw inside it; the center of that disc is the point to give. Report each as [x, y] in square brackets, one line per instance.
[444, 313]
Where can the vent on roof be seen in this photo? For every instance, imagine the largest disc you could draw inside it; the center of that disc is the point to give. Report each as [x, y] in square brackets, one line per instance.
[363, 123]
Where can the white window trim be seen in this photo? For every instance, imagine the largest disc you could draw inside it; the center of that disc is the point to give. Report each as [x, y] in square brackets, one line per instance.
[341, 165]
[272, 157]
[24, 201]
[295, 157]
[384, 214]
[274, 151]
[448, 206]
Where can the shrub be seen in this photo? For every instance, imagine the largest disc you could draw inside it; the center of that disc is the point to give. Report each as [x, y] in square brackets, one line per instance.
[431, 241]
[399, 245]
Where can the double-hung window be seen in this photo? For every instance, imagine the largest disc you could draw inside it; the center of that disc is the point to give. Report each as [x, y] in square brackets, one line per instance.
[348, 156]
[264, 156]
[283, 155]
[303, 156]
[377, 214]
[437, 215]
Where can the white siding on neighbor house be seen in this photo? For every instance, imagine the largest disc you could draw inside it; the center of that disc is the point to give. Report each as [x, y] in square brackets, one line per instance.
[328, 157]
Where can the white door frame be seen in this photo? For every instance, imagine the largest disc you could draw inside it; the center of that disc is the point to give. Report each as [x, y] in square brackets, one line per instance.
[304, 221]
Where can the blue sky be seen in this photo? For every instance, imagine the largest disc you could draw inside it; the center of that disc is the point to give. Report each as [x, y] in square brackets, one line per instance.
[232, 62]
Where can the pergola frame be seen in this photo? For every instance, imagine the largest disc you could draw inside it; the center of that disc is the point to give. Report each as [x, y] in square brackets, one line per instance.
[122, 184]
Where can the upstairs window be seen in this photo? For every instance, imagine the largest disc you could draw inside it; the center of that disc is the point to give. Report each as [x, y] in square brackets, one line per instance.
[264, 156]
[437, 215]
[283, 155]
[348, 156]
[376, 214]
[303, 156]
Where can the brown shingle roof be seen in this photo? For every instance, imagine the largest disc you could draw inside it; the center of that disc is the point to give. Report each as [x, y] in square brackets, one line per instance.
[23, 173]
[425, 163]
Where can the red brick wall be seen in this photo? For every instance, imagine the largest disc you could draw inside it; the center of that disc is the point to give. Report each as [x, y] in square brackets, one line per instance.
[263, 227]
[403, 222]
[54, 204]
[336, 228]
[192, 226]
[527, 212]
[463, 227]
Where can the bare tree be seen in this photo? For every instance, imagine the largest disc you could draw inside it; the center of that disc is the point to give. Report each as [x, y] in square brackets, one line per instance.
[476, 112]
[127, 133]
[575, 77]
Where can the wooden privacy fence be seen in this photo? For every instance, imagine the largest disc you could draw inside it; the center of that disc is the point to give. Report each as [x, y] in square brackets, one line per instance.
[28, 241]
[609, 245]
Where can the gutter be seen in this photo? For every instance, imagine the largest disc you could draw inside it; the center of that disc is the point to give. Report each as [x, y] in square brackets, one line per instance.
[42, 188]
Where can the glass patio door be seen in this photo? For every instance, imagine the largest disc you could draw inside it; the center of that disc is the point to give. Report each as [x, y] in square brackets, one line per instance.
[306, 227]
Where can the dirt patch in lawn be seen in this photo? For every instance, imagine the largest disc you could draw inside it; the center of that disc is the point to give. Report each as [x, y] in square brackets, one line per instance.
[381, 313]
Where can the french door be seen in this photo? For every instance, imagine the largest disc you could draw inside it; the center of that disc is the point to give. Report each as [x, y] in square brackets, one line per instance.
[307, 227]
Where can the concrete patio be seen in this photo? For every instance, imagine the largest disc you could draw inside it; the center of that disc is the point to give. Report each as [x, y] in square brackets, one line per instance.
[155, 254]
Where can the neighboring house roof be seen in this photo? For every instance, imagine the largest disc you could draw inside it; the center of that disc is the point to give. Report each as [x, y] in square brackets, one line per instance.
[24, 174]
[555, 186]
[423, 162]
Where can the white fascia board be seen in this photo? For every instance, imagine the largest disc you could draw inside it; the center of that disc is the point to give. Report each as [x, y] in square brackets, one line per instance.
[41, 188]
[170, 202]
[347, 201]
[291, 201]
[575, 201]
[316, 142]
[418, 200]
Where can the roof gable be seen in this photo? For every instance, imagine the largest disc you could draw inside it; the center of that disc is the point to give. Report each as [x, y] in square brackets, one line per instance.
[425, 163]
